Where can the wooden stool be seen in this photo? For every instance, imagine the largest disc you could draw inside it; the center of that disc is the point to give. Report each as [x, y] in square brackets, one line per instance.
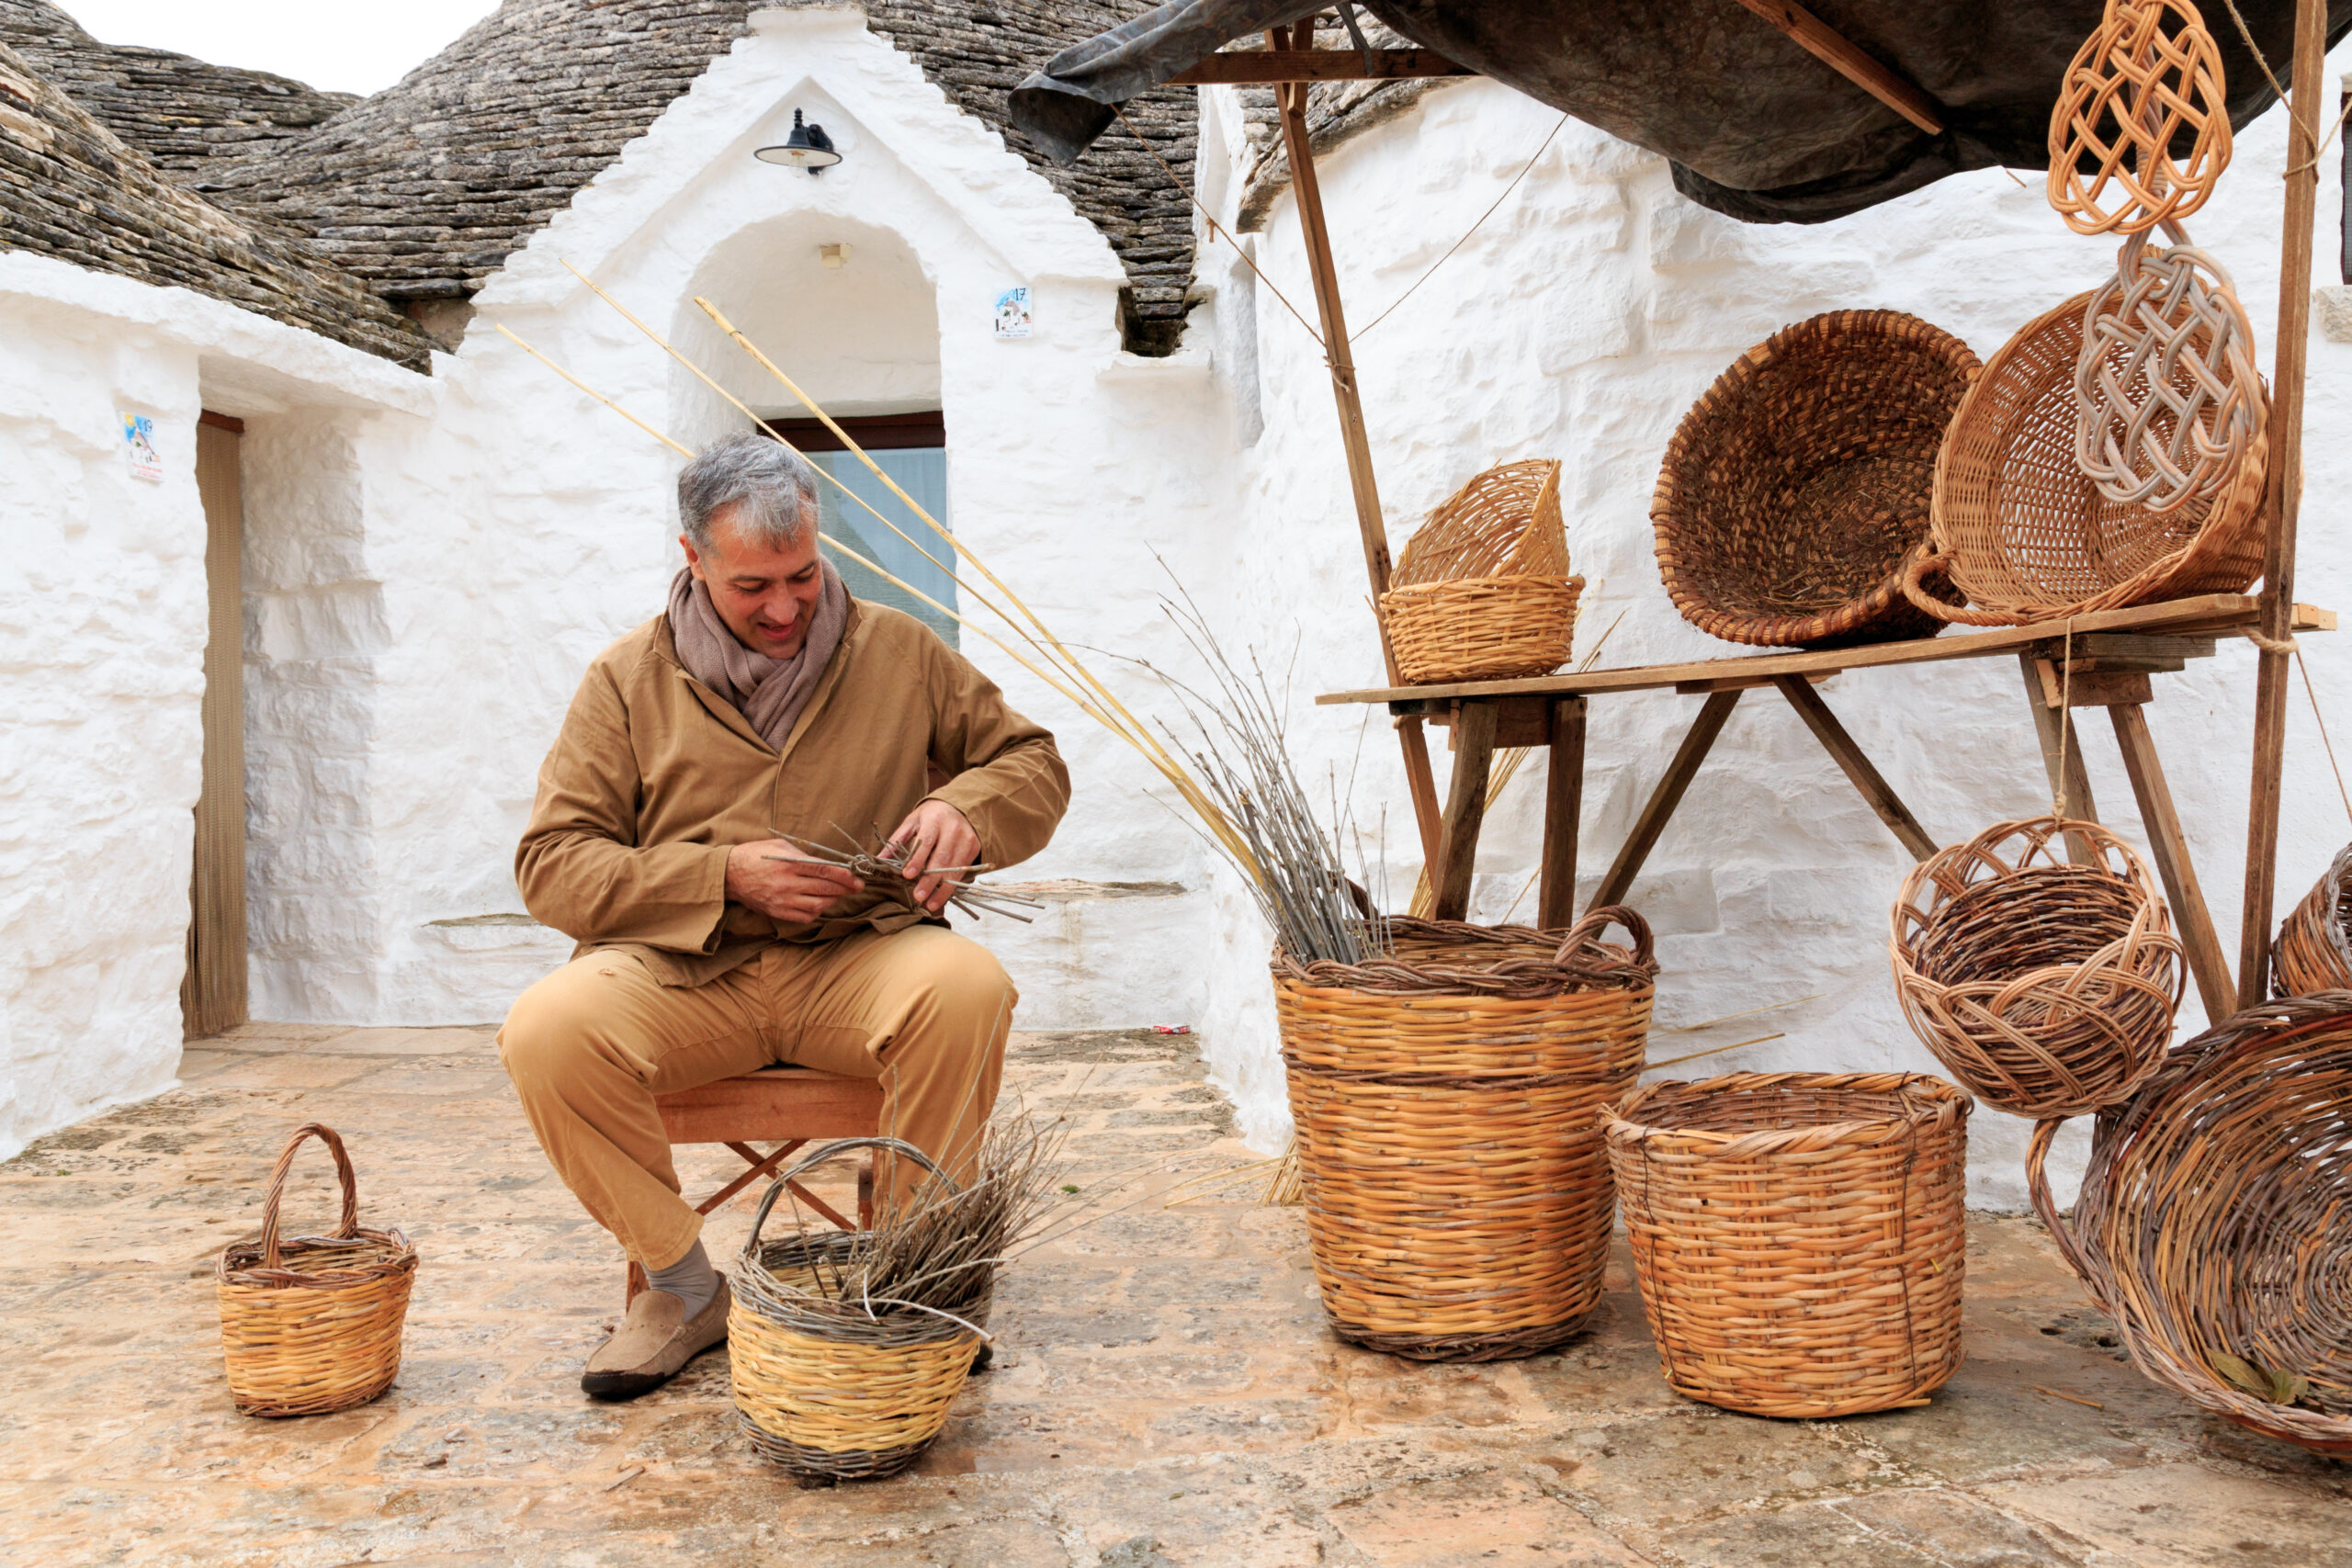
[794, 1104]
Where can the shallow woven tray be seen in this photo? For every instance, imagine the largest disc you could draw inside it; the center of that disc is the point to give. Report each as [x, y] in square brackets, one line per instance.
[1799, 1237]
[2314, 952]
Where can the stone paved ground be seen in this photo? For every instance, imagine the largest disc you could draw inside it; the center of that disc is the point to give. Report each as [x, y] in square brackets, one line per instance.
[1164, 1394]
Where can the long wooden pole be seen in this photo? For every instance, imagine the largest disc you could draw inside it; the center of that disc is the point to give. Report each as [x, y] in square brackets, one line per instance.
[1292, 96]
[2286, 486]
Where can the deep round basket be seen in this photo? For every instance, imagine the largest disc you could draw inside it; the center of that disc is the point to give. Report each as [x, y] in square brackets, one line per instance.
[1799, 1237]
[2314, 952]
[1458, 1200]
[2214, 1222]
[1795, 492]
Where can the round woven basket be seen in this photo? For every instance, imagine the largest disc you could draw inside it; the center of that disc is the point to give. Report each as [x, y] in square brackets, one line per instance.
[822, 1388]
[2214, 1222]
[2024, 533]
[1482, 591]
[1795, 492]
[1458, 1200]
[2314, 952]
[1799, 1237]
[312, 1323]
[2047, 989]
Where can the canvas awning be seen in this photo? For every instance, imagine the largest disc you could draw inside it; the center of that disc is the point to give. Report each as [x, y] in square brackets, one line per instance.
[1755, 126]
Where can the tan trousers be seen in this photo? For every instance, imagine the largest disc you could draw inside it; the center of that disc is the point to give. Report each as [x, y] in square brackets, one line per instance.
[924, 1010]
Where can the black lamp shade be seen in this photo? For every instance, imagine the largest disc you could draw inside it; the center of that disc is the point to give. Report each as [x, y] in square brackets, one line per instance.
[807, 147]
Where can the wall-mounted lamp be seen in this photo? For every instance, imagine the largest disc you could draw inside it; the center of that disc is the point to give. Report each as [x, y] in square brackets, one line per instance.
[807, 147]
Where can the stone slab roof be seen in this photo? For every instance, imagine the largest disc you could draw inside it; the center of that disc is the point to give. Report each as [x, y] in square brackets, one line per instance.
[71, 189]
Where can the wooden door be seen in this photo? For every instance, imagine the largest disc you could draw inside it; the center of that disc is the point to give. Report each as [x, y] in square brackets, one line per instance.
[213, 993]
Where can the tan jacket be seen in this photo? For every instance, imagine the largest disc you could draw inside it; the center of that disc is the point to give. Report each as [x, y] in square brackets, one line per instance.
[654, 777]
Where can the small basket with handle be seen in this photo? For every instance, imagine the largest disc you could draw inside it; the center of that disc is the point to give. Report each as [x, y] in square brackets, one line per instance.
[1482, 591]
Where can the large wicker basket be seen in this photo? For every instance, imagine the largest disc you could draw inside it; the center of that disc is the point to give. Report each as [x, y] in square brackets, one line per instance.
[312, 1323]
[1795, 492]
[1799, 1237]
[2047, 989]
[2025, 536]
[2214, 1222]
[1482, 591]
[828, 1393]
[2314, 952]
[1458, 1201]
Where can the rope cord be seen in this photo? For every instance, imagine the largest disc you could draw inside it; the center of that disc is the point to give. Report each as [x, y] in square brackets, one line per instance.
[2256, 50]
[1457, 245]
[2326, 743]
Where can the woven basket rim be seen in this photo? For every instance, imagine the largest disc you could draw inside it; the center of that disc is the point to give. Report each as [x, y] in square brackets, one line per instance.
[238, 1264]
[1579, 961]
[1936, 1101]
[1909, 920]
[1415, 593]
[2339, 876]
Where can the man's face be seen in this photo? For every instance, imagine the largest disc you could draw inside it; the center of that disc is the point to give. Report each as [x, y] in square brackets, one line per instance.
[767, 597]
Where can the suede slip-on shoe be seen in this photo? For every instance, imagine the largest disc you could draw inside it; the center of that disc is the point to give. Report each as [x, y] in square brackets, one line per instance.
[654, 1343]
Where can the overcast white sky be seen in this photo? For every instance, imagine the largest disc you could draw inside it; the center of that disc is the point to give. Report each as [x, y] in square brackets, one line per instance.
[339, 47]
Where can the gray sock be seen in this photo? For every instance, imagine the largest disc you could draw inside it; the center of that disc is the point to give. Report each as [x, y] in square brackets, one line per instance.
[691, 1278]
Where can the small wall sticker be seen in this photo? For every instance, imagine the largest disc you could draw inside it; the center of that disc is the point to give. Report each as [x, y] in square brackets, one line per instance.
[139, 441]
[1013, 318]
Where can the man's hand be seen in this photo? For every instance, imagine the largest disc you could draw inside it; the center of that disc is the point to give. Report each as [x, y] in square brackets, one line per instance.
[935, 833]
[775, 878]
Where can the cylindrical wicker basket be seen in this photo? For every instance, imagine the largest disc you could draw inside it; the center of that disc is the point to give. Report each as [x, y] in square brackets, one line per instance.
[2214, 1222]
[312, 1323]
[1795, 491]
[2047, 989]
[2314, 952]
[1799, 1237]
[1458, 1200]
[2025, 534]
[824, 1390]
[1482, 591]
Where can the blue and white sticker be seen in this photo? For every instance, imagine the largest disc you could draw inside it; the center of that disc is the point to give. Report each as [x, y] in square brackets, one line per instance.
[1013, 318]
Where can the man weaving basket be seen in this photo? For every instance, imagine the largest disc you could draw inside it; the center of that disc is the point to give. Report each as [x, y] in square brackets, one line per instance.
[765, 705]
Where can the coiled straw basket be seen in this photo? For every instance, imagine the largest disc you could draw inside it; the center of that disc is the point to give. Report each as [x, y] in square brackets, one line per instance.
[2047, 989]
[2024, 533]
[311, 1324]
[1482, 591]
[2314, 952]
[824, 1387]
[1795, 493]
[1458, 1201]
[1799, 1237]
[2214, 1222]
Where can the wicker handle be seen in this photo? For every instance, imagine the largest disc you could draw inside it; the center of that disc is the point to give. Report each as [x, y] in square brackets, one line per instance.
[350, 1225]
[838, 1146]
[1595, 921]
[2038, 1184]
[1914, 585]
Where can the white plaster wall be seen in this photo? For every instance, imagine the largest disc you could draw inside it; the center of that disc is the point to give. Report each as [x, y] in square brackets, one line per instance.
[1579, 323]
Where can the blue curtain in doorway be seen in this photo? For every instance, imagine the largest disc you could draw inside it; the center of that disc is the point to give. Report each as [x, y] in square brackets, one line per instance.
[922, 472]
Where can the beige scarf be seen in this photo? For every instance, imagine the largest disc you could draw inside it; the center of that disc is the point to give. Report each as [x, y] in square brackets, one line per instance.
[771, 692]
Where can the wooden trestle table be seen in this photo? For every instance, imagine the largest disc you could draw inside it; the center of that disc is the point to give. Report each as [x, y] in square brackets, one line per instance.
[2098, 659]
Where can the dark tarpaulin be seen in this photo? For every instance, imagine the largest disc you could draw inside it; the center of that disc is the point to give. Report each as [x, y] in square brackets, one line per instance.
[1755, 127]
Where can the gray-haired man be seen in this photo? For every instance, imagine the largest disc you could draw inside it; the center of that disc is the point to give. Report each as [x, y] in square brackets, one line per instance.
[765, 702]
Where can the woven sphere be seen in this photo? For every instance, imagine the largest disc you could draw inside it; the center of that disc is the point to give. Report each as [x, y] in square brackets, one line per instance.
[1796, 489]
[2214, 1222]
[2047, 989]
[2314, 952]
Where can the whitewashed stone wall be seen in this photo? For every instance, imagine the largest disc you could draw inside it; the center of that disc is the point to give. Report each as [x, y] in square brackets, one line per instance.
[1579, 323]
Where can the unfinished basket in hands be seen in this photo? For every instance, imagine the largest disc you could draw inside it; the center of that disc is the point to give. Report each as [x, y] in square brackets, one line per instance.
[2214, 1222]
[2314, 952]
[1795, 492]
[312, 1323]
[1458, 1200]
[2024, 533]
[1799, 1237]
[824, 1387]
[2047, 989]
[1482, 591]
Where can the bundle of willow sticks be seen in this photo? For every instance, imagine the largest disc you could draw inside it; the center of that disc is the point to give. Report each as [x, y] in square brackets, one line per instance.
[884, 871]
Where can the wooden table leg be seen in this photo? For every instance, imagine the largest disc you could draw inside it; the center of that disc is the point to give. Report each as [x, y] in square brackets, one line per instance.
[1555, 901]
[2169, 846]
[1857, 768]
[1666, 797]
[1465, 809]
[2056, 729]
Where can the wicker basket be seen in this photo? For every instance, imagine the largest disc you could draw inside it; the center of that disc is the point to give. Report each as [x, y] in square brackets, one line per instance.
[2046, 988]
[2024, 533]
[2314, 952]
[827, 1395]
[1458, 1200]
[2215, 1220]
[1795, 492]
[1799, 1237]
[1482, 591]
[312, 1323]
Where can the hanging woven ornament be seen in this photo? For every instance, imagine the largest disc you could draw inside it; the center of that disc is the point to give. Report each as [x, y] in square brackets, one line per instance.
[2167, 396]
[2146, 86]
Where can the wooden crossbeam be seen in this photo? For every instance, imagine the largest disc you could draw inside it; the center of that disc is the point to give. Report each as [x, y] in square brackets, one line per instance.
[1261, 66]
[1666, 797]
[1827, 44]
[1859, 769]
[2168, 846]
[1465, 811]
